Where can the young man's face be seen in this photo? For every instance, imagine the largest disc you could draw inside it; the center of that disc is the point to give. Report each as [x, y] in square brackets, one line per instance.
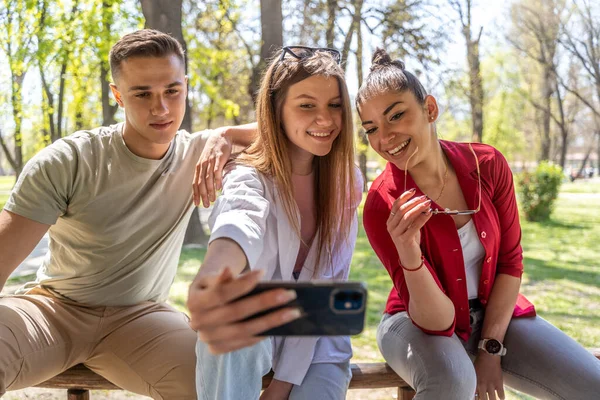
[152, 91]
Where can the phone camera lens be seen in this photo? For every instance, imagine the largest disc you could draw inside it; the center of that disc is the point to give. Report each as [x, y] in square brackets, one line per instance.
[348, 300]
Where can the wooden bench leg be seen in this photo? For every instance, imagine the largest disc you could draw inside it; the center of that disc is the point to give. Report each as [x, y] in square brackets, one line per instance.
[78, 394]
[405, 393]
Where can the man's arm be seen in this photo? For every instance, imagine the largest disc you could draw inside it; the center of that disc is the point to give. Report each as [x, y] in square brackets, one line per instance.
[18, 237]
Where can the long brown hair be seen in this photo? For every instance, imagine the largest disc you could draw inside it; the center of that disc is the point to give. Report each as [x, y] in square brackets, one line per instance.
[335, 188]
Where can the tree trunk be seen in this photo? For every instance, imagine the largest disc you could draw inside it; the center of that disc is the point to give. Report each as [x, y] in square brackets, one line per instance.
[271, 24]
[562, 124]
[165, 16]
[476, 89]
[547, 92]
[364, 142]
[474, 65]
[108, 110]
[330, 32]
[48, 107]
[17, 103]
[354, 26]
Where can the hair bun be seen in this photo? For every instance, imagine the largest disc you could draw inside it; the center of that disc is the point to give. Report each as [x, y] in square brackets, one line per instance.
[381, 58]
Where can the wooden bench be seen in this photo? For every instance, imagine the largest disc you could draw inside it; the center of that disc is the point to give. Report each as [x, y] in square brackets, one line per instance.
[79, 380]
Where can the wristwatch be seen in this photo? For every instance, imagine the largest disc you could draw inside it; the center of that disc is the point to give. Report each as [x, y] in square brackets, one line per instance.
[492, 346]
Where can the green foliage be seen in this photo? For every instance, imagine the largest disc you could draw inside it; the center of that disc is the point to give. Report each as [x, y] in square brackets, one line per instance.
[539, 190]
[219, 62]
[505, 108]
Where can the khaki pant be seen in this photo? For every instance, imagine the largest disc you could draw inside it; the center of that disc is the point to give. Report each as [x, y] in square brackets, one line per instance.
[146, 348]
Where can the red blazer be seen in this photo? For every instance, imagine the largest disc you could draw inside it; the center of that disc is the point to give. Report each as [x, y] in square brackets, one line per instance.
[497, 225]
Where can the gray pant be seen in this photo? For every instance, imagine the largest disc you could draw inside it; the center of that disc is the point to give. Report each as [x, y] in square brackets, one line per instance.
[541, 360]
[238, 375]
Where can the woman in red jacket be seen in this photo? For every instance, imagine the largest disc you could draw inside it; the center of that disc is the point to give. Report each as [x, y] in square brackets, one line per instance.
[443, 220]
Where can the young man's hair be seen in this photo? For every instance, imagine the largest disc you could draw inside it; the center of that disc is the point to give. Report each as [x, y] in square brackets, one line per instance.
[335, 187]
[143, 43]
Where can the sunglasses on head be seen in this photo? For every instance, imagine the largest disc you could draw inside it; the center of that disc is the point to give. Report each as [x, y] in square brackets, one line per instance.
[300, 52]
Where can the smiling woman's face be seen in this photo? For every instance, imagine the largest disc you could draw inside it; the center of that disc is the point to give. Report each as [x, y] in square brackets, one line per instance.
[312, 115]
[396, 124]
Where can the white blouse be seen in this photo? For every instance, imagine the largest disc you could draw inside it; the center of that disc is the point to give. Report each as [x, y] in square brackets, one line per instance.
[250, 212]
[473, 255]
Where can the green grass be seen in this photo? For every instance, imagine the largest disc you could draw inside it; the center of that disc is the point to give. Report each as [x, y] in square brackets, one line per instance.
[562, 272]
[6, 184]
[3, 200]
[581, 186]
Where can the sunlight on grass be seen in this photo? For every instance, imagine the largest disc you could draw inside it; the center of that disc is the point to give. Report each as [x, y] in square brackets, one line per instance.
[6, 183]
[3, 200]
[562, 273]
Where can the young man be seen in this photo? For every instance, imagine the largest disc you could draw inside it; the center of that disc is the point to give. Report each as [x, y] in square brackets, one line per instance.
[116, 201]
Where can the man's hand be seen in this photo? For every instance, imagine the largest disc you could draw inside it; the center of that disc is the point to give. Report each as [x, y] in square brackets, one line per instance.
[218, 316]
[208, 177]
[277, 390]
[489, 377]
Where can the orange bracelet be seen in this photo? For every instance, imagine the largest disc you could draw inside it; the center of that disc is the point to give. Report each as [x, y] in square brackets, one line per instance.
[415, 269]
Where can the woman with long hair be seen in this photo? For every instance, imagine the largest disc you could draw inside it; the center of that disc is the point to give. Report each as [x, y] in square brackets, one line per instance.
[288, 208]
[443, 219]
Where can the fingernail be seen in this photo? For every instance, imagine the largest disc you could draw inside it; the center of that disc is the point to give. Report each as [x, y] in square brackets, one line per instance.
[428, 202]
[413, 190]
[286, 296]
[291, 315]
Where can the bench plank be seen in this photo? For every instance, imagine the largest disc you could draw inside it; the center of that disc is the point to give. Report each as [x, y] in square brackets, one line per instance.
[78, 377]
[79, 380]
[364, 376]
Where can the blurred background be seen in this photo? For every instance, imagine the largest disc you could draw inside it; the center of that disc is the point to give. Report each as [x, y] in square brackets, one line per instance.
[521, 75]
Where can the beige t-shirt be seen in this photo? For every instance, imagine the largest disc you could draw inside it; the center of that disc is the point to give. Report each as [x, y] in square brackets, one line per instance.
[118, 220]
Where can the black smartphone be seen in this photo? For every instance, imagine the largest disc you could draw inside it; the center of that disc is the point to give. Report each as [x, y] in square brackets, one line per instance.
[328, 308]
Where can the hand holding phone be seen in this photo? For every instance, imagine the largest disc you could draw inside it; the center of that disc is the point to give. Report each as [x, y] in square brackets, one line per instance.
[220, 317]
[328, 308]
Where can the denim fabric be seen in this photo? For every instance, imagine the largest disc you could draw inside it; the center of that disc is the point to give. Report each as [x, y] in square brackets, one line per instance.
[541, 360]
[238, 375]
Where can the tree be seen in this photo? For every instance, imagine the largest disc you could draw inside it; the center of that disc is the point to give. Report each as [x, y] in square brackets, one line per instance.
[103, 45]
[271, 24]
[581, 39]
[56, 32]
[536, 25]
[20, 22]
[165, 16]
[475, 92]
[222, 54]
[401, 28]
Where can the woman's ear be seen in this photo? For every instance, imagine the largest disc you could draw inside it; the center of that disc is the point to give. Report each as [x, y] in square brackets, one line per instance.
[431, 108]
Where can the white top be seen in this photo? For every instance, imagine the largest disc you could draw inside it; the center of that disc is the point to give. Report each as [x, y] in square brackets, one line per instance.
[117, 220]
[250, 212]
[473, 255]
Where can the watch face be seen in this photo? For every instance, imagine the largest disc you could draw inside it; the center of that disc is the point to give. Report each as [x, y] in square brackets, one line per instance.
[493, 346]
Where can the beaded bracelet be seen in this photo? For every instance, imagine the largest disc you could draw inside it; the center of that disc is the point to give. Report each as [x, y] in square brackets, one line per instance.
[414, 269]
